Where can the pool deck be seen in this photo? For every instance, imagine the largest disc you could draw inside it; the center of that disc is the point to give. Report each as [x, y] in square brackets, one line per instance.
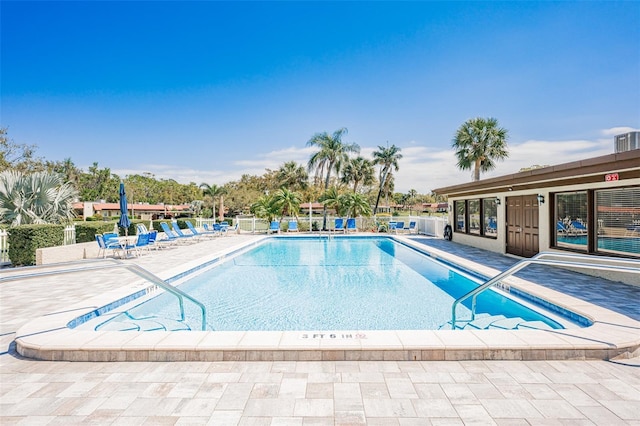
[361, 381]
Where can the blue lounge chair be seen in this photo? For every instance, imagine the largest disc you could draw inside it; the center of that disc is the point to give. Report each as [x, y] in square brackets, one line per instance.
[274, 227]
[211, 230]
[293, 226]
[351, 225]
[492, 226]
[338, 225]
[393, 226]
[176, 230]
[399, 227]
[578, 227]
[561, 229]
[413, 229]
[195, 232]
[171, 236]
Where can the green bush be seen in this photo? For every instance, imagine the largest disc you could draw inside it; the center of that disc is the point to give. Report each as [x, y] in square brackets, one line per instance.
[25, 239]
[86, 231]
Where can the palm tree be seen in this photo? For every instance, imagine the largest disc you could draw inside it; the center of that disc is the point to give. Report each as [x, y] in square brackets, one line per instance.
[388, 159]
[331, 157]
[288, 202]
[214, 191]
[293, 176]
[358, 170]
[478, 142]
[355, 204]
[411, 196]
[40, 197]
[331, 199]
[265, 207]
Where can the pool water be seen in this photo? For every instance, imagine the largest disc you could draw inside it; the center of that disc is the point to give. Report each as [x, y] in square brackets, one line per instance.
[616, 244]
[331, 284]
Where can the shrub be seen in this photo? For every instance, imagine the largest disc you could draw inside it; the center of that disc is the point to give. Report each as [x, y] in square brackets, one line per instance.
[86, 231]
[25, 239]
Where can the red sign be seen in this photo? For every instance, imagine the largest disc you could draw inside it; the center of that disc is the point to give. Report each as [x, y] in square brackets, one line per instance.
[611, 177]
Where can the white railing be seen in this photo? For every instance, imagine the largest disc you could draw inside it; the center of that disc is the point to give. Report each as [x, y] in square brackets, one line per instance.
[4, 247]
[69, 235]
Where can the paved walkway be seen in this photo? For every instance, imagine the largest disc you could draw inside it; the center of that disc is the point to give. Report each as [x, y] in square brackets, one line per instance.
[300, 393]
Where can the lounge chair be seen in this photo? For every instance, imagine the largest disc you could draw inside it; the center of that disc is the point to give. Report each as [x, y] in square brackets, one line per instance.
[195, 232]
[293, 226]
[399, 227]
[351, 225]
[492, 227]
[171, 236]
[578, 227]
[561, 229]
[179, 233]
[393, 226]
[338, 225]
[413, 229]
[274, 226]
[142, 229]
[211, 230]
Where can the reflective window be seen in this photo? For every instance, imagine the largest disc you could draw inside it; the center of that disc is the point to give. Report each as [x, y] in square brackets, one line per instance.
[617, 213]
[460, 216]
[571, 220]
[474, 216]
[490, 217]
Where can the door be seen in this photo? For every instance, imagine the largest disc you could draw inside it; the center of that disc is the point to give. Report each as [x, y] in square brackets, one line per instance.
[522, 225]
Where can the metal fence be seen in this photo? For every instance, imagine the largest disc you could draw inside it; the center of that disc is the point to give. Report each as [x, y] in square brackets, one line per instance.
[426, 225]
[4, 247]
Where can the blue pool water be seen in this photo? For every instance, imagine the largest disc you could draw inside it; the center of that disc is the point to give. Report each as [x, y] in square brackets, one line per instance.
[338, 284]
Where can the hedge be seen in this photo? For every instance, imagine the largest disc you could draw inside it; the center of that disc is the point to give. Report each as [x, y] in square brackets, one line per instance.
[25, 239]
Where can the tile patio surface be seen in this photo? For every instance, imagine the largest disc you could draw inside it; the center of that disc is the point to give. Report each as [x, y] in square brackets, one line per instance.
[304, 392]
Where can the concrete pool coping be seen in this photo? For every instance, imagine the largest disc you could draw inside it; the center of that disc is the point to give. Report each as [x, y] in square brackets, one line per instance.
[611, 336]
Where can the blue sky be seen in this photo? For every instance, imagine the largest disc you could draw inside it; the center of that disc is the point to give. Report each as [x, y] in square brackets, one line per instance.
[207, 91]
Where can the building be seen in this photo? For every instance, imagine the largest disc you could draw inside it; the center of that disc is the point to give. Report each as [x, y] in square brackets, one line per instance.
[589, 206]
[142, 210]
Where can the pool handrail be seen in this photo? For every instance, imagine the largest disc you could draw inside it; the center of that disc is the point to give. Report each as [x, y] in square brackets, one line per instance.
[85, 265]
[571, 260]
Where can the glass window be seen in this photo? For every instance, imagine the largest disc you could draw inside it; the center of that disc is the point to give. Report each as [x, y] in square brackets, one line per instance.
[490, 217]
[474, 216]
[571, 220]
[617, 213]
[460, 216]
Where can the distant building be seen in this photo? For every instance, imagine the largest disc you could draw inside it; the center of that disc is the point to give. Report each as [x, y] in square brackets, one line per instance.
[144, 211]
[627, 141]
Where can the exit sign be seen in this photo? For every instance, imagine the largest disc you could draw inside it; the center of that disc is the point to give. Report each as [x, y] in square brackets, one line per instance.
[611, 177]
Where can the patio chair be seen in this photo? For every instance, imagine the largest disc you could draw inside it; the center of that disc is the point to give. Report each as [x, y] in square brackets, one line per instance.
[171, 236]
[194, 231]
[142, 229]
[338, 225]
[103, 246]
[561, 229]
[413, 229]
[211, 230]
[293, 226]
[274, 226]
[578, 227]
[393, 226]
[399, 227]
[176, 230]
[351, 225]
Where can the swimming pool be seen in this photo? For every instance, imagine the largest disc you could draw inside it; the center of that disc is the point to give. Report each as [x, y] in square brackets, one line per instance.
[344, 283]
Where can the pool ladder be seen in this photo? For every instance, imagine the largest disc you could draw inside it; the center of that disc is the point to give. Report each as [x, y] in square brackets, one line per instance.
[582, 261]
[102, 264]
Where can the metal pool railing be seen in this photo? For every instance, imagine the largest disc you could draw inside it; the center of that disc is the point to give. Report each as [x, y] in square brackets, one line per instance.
[102, 264]
[582, 261]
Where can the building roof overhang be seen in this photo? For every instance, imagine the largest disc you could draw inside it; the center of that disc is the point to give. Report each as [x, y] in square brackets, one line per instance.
[625, 164]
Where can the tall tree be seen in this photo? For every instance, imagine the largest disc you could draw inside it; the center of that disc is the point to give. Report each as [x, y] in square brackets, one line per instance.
[331, 156]
[214, 191]
[478, 143]
[293, 176]
[355, 204]
[387, 158]
[358, 170]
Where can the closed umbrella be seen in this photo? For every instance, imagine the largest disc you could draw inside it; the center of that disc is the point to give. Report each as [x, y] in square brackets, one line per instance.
[124, 221]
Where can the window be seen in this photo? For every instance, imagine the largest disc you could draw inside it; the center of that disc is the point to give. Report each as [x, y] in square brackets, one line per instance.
[474, 216]
[490, 217]
[617, 213]
[477, 217]
[571, 220]
[460, 211]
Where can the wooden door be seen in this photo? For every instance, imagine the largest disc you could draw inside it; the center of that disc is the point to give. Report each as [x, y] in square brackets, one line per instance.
[522, 225]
